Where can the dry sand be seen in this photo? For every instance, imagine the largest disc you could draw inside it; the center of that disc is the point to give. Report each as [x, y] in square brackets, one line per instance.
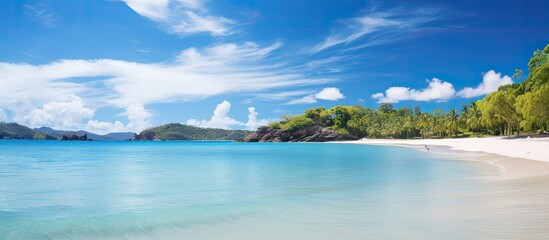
[512, 155]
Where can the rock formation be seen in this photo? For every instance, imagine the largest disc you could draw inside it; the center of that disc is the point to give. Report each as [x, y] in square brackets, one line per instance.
[315, 133]
[74, 137]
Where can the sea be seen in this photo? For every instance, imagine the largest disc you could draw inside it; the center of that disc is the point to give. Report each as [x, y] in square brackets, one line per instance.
[254, 191]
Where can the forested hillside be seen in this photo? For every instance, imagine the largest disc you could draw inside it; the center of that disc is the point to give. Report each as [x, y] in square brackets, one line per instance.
[17, 131]
[176, 131]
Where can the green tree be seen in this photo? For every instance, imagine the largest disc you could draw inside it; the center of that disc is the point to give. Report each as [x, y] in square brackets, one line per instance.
[296, 122]
[534, 108]
[500, 106]
[452, 120]
[386, 108]
[474, 117]
[463, 117]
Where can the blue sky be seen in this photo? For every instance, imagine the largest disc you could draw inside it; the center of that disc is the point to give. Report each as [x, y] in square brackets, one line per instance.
[126, 65]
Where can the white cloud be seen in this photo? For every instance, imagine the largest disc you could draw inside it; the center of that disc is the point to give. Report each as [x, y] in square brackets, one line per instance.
[139, 118]
[66, 114]
[219, 119]
[131, 86]
[3, 116]
[182, 17]
[375, 28]
[100, 127]
[437, 90]
[253, 123]
[195, 23]
[156, 10]
[70, 113]
[329, 93]
[491, 81]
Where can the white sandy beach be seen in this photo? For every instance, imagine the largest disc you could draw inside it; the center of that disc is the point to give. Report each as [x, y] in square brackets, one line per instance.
[509, 153]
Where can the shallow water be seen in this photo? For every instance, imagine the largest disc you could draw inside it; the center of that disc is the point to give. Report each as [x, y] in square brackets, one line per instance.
[224, 190]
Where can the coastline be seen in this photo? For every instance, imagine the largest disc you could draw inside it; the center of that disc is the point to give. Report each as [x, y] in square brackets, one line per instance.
[513, 156]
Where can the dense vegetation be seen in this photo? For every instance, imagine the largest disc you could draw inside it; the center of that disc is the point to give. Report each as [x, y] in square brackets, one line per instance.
[176, 131]
[17, 131]
[513, 108]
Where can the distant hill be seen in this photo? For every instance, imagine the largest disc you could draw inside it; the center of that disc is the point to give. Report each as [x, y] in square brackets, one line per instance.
[109, 136]
[17, 131]
[119, 135]
[176, 131]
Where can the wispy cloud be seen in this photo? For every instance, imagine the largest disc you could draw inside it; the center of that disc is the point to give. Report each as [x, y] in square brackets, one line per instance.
[131, 86]
[377, 27]
[182, 17]
[146, 50]
[40, 14]
[282, 95]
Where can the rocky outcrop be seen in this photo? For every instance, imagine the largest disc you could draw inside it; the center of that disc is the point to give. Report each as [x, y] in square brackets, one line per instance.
[315, 133]
[144, 135]
[74, 137]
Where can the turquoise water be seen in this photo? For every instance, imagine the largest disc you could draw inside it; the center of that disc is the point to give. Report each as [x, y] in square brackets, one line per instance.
[224, 190]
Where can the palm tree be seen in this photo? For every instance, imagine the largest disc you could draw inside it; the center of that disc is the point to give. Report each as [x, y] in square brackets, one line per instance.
[474, 117]
[452, 121]
[463, 117]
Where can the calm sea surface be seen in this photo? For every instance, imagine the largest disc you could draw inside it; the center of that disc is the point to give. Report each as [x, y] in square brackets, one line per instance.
[224, 190]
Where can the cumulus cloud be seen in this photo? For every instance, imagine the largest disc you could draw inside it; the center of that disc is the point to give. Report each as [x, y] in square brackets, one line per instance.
[253, 122]
[131, 86]
[138, 117]
[101, 127]
[66, 114]
[378, 27]
[437, 90]
[182, 17]
[71, 114]
[329, 93]
[491, 81]
[219, 119]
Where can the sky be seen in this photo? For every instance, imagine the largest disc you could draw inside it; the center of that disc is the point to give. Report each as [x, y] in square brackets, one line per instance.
[113, 66]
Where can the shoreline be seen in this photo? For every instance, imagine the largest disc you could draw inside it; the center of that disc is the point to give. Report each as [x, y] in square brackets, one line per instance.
[520, 157]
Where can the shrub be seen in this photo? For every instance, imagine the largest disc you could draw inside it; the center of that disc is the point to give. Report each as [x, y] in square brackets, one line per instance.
[296, 122]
